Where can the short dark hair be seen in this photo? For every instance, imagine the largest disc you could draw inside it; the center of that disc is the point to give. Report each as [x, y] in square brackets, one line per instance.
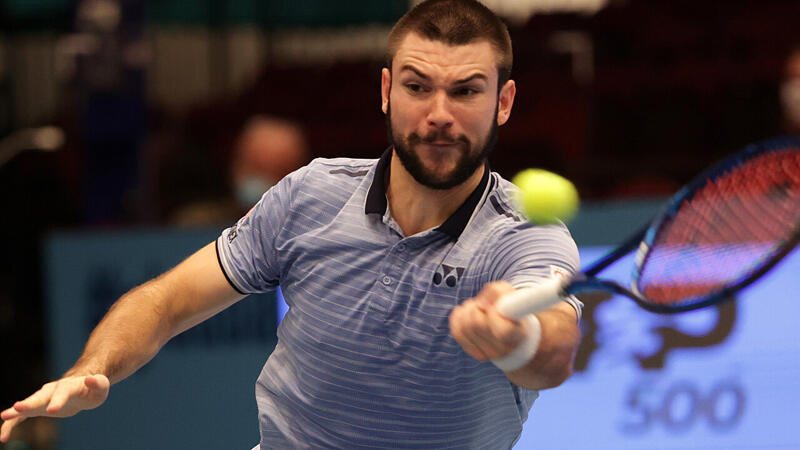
[455, 22]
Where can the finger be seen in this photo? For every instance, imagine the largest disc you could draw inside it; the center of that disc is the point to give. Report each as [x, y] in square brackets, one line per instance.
[59, 398]
[35, 403]
[492, 292]
[457, 329]
[9, 414]
[484, 302]
[97, 387]
[8, 425]
[476, 332]
[97, 383]
[64, 390]
[482, 348]
[506, 332]
[483, 334]
[488, 347]
[94, 381]
[473, 348]
[475, 302]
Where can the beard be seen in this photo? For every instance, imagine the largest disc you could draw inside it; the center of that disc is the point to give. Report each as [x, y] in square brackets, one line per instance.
[468, 160]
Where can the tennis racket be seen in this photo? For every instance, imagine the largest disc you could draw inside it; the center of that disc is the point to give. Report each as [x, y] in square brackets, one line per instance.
[721, 232]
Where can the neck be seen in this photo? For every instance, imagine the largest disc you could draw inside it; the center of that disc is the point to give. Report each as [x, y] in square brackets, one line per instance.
[417, 208]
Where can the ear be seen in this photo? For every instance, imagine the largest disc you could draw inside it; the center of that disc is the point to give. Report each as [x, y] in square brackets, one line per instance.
[506, 101]
[386, 87]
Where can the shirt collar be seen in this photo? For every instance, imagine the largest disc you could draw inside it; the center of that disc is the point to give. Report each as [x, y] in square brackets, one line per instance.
[453, 226]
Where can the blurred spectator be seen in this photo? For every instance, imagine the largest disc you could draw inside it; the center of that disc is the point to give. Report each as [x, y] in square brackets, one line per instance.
[265, 151]
[790, 92]
[110, 76]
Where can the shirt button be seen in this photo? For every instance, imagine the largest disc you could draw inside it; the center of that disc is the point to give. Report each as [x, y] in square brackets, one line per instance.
[401, 247]
[387, 280]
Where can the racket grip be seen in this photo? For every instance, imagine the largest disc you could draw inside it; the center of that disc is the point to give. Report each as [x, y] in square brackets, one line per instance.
[529, 300]
[520, 305]
[526, 349]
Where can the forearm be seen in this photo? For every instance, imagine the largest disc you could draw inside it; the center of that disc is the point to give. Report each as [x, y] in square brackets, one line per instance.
[144, 319]
[553, 362]
[129, 335]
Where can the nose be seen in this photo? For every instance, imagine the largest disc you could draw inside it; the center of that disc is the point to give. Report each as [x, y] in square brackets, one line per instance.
[439, 114]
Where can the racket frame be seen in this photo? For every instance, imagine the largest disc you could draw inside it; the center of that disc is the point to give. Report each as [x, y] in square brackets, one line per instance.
[686, 193]
[535, 300]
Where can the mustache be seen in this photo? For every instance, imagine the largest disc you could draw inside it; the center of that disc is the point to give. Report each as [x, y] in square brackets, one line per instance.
[437, 136]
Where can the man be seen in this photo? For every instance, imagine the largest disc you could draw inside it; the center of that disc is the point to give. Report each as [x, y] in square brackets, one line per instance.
[391, 269]
[266, 150]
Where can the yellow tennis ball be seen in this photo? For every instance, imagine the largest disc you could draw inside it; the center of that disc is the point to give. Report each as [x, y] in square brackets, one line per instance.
[546, 197]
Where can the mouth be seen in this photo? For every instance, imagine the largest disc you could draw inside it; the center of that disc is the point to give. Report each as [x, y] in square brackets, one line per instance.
[440, 144]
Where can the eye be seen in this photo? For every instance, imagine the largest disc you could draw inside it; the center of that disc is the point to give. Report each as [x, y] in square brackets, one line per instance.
[414, 87]
[465, 92]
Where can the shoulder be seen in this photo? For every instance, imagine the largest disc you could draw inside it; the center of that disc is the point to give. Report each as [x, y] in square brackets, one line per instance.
[336, 164]
[324, 173]
[501, 203]
[505, 226]
[322, 186]
[327, 176]
[501, 214]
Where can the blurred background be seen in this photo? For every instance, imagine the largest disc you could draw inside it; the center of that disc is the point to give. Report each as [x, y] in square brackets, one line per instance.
[128, 121]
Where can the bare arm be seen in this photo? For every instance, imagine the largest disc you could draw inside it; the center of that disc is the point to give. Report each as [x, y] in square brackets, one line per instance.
[485, 334]
[130, 335]
[144, 319]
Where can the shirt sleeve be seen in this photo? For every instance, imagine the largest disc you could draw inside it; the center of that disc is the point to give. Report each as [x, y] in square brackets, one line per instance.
[531, 254]
[246, 251]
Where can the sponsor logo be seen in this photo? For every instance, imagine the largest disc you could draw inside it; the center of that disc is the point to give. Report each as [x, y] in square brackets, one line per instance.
[232, 233]
[447, 274]
[559, 272]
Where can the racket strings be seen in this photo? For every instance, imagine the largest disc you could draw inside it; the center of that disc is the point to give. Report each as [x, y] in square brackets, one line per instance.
[726, 231]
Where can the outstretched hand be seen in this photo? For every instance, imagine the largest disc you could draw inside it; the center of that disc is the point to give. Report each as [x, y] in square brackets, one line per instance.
[62, 398]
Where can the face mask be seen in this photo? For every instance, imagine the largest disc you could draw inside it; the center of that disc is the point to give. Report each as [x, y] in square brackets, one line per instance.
[790, 98]
[250, 189]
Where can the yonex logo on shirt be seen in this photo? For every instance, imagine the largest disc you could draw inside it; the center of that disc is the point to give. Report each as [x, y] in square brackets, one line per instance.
[449, 274]
[232, 233]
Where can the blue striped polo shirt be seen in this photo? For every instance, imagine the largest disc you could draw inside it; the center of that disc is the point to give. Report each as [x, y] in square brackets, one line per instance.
[364, 357]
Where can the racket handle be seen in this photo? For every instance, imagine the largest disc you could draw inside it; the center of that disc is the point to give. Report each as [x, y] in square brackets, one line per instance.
[520, 305]
[526, 349]
[529, 300]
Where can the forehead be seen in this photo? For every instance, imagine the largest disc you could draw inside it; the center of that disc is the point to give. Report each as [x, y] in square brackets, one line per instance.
[441, 58]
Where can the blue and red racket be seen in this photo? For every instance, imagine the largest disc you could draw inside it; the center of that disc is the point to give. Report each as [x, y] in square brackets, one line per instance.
[718, 234]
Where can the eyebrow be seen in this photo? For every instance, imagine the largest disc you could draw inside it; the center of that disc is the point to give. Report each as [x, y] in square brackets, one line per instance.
[474, 76]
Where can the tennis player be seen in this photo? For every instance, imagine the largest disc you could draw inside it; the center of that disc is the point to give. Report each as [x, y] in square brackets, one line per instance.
[391, 268]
